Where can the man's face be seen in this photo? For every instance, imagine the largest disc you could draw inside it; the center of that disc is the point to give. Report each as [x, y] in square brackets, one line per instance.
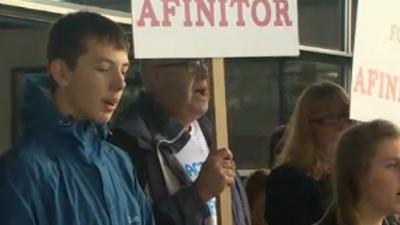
[96, 84]
[183, 88]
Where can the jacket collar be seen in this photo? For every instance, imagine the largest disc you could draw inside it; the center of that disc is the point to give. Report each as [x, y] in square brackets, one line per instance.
[147, 121]
[40, 114]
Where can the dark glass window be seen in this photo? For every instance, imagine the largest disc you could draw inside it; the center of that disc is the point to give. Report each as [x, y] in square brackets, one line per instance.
[321, 23]
[253, 108]
[261, 94]
[298, 74]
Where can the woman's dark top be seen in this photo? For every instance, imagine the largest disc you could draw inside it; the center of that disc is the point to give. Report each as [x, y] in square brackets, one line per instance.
[294, 198]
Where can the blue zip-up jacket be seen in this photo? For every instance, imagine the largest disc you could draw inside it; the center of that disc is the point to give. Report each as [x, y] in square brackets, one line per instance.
[63, 172]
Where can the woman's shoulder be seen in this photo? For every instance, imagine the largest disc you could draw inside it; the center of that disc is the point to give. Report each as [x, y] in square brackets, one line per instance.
[288, 172]
[287, 177]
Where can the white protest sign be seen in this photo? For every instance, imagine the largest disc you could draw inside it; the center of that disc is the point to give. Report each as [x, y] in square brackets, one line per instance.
[214, 28]
[375, 88]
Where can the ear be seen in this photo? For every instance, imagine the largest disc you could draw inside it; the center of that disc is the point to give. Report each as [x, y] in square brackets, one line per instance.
[59, 71]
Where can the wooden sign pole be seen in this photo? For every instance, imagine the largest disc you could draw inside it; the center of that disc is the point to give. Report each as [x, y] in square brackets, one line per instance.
[224, 204]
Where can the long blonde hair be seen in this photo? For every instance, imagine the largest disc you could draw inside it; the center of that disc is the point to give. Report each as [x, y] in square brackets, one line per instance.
[299, 149]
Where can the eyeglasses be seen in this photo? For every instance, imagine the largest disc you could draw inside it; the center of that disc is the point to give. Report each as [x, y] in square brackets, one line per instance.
[332, 120]
[194, 66]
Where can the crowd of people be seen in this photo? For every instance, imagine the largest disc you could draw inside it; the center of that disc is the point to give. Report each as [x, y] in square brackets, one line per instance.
[155, 163]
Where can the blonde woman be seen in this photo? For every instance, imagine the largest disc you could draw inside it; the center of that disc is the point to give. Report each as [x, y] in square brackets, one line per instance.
[298, 190]
[367, 176]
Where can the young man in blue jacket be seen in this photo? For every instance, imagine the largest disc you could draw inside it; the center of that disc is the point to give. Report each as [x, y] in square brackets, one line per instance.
[63, 172]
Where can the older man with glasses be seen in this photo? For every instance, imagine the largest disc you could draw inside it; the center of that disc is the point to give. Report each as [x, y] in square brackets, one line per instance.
[168, 136]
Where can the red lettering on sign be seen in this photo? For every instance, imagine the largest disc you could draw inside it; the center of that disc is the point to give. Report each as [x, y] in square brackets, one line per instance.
[240, 3]
[359, 85]
[372, 78]
[391, 87]
[168, 10]
[201, 12]
[263, 22]
[223, 22]
[188, 21]
[381, 81]
[208, 12]
[282, 10]
[148, 12]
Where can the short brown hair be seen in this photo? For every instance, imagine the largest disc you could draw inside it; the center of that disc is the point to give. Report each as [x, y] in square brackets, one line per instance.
[68, 36]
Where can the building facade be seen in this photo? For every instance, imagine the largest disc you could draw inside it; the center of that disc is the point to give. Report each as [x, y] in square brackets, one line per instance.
[261, 92]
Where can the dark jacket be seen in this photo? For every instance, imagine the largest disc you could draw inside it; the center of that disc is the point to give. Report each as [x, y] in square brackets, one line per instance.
[329, 218]
[64, 172]
[293, 198]
[138, 131]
